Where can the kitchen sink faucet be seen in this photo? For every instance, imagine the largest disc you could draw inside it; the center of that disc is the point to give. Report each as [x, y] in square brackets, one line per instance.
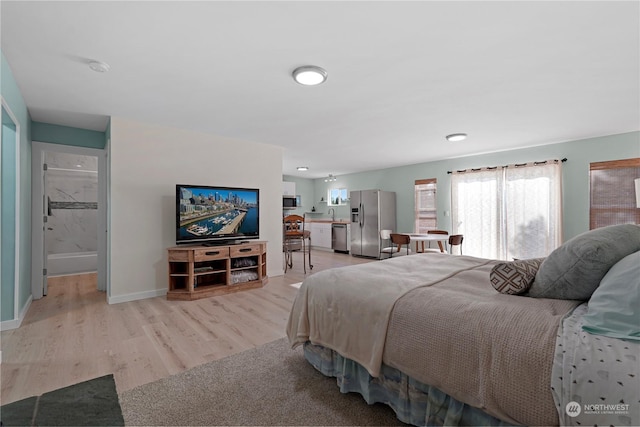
[333, 214]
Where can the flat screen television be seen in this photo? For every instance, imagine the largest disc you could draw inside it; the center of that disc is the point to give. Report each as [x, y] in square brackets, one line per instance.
[216, 215]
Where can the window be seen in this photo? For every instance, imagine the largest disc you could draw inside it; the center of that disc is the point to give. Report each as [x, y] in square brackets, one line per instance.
[337, 196]
[426, 213]
[612, 193]
[508, 212]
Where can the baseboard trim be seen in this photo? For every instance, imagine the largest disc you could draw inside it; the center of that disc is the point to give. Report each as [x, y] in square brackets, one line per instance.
[15, 323]
[7, 325]
[137, 296]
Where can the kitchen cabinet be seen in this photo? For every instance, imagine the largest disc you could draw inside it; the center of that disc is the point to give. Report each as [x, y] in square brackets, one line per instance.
[321, 235]
[288, 188]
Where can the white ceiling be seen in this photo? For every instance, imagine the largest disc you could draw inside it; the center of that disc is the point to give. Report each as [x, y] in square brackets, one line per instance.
[402, 75]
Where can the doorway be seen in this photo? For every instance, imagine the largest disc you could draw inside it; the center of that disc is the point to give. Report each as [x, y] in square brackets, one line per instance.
[69, 220]
[71, 199]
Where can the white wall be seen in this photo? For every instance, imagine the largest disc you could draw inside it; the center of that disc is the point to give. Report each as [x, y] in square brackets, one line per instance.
[147, 161]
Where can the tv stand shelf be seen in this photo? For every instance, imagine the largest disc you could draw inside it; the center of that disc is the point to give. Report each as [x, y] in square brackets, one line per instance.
[204, 271]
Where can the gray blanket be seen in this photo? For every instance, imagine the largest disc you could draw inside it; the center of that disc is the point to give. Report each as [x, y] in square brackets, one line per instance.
[489, 350]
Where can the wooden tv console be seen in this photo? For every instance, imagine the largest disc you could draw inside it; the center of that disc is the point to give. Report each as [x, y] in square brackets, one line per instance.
[204, 271]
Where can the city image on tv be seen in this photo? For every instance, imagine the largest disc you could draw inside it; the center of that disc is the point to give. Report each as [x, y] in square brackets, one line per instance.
[210, 212]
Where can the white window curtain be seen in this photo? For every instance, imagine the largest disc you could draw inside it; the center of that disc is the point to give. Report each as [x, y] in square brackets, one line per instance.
[475, 211]
[508, 212]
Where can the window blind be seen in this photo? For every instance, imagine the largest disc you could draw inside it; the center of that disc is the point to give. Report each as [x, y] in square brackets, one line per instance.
[612, 193]
[426, 214]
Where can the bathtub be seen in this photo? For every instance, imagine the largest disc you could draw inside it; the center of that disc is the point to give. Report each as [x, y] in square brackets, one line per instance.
[72, 263]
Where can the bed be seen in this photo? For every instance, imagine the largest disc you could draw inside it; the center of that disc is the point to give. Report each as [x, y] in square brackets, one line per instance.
[429, 335]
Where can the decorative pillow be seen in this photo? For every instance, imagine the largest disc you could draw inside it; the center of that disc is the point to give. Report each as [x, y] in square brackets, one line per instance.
[514, 277]
[575, 269]
[614, 308]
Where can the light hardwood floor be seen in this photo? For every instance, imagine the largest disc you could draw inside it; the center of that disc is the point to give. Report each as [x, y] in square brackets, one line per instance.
[73, 335]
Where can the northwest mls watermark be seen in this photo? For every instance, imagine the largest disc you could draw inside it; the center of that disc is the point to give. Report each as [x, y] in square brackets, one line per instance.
[573, 409]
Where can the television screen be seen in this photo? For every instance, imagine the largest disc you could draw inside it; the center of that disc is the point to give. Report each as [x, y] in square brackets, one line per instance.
[216, 214]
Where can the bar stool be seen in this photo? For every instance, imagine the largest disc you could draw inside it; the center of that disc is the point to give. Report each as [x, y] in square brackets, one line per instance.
[293, 226]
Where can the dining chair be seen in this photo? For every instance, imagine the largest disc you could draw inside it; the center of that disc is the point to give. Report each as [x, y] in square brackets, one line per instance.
[293, 231]
[385, 242]
[400, 240]
[455, 240]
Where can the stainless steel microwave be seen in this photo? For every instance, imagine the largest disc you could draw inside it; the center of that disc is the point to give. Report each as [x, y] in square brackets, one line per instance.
[289, 202]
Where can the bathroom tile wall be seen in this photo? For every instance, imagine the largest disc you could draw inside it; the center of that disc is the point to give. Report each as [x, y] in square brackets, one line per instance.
[71, 191]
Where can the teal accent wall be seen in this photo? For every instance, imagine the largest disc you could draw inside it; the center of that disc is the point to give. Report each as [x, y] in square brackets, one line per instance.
[107, 134]
[575, 177]
[15, 102]
[56, 134]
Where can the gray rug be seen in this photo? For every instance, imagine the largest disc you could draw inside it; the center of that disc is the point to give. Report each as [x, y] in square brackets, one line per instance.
[270, 385]
[89, 403]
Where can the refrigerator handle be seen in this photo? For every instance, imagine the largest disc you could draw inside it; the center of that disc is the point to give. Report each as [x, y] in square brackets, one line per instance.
[361, 215]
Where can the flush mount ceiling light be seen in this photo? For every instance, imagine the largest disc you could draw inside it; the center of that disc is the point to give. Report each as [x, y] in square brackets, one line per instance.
[456, 137]
[99, 67]
[309, 75]
[330, 178]
[303, 168]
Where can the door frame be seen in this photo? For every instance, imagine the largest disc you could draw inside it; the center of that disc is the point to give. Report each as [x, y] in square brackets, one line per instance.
[37, 208]
[9, 323]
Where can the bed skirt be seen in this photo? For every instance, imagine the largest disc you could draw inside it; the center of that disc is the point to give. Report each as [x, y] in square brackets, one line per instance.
[413, 402]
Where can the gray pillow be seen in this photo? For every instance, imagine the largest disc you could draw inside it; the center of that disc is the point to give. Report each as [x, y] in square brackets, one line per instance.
[575, 269]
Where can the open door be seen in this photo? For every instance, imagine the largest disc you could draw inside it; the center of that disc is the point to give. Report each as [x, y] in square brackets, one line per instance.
[39, 220]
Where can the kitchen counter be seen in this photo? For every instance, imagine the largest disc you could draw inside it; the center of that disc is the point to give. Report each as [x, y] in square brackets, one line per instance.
[329, 220]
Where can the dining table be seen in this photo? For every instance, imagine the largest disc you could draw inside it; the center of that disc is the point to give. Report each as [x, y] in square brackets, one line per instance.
[421, 238]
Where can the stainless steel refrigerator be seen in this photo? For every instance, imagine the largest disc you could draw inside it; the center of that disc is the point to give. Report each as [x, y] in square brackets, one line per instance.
[371, 211]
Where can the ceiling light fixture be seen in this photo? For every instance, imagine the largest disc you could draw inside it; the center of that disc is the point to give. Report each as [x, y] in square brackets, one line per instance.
[303, 168]
[99, 67]
[456, 137]
[330, 178]
[309, 75]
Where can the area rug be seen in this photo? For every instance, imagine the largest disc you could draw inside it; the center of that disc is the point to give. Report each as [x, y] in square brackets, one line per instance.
[270, 385]
[89, 403]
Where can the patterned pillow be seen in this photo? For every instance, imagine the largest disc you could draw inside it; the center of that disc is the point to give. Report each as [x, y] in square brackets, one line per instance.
[514, 277]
